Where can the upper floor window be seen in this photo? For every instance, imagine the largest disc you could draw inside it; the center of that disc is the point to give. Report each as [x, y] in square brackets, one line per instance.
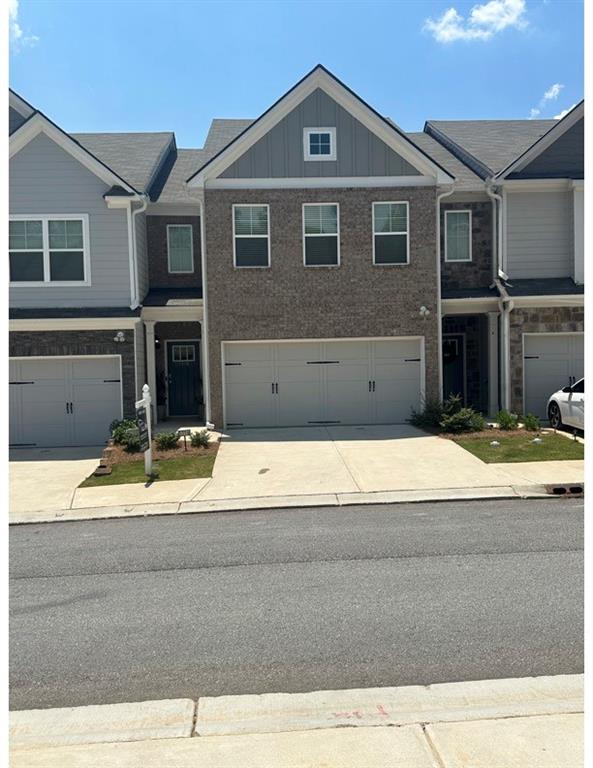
[251, 235]
[49, 250]
[321, 235]
[391, 238]
[320, 143]
[458, 230]
[180, 248]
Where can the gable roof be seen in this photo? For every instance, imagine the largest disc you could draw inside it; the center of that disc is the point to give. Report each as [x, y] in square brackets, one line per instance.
[487, 146]
[17, 102]
[224, 130]
[320, 77]
[465, 178]
[558, 129]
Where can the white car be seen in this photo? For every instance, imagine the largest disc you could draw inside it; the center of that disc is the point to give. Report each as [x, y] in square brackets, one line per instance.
[567, 406]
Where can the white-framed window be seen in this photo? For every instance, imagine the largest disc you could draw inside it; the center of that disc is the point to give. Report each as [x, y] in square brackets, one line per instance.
[458, 235]
[251, 235]
[49, 250]
[183, 353]
[319, 143]
[391, 235]
[321, 234]
[180, 248]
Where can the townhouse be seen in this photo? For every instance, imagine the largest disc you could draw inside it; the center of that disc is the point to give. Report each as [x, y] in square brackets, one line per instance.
[316, 265]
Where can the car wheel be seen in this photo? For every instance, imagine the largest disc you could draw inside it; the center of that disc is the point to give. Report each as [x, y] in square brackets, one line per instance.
[554, 415]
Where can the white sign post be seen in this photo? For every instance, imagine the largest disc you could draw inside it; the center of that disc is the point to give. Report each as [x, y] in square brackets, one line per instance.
[143, 417]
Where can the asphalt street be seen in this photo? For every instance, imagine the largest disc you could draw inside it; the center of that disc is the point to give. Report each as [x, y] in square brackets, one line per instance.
[294, 600]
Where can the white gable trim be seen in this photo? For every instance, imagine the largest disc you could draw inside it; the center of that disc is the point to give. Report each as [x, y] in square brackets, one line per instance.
[320, 78]
[322, 182]
[555, 132]
[38, 123]
[20, 105]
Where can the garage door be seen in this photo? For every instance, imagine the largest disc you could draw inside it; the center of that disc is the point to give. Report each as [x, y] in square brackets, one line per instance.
[551, 361]
[63, 401]
[331, 382]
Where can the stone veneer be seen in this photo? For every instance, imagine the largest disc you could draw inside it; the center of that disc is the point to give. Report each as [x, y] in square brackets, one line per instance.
[537, 320]
[156, 243]
[291, 301]
[476, 273]
[66, 343]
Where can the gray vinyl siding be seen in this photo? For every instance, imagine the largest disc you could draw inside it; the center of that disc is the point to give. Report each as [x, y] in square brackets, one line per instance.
[15, 119]
[141, 255]
[564, 159]
[140, 356]
[539, 234]
[44, 179]
[279, 154]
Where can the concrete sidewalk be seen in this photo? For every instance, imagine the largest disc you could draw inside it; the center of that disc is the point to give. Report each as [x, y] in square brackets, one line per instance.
[520, 723]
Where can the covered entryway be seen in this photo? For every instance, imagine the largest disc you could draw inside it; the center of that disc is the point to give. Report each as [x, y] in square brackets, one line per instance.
[184, 391]
[550, 361]
[64, 401]
[308, 383]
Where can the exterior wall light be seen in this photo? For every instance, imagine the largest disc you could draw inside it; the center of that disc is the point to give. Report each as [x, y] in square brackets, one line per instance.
[424, 311]
[119, 337]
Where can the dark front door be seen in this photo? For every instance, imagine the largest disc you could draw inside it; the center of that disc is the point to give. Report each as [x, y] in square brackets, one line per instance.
[183, 378]
[453, 365]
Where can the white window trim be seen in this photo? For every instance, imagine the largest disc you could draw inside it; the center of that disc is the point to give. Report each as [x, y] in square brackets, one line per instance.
[236, 236]
[307, 147]
[323, 234]
[406, 233]
[459, 261]
[180, 271]
[45, 218]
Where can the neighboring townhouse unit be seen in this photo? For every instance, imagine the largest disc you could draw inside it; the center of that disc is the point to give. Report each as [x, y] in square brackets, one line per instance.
[317, 265]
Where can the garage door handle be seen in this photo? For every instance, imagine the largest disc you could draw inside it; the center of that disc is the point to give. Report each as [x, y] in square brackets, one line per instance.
[71, 408]
[531, 357]
[373, 386]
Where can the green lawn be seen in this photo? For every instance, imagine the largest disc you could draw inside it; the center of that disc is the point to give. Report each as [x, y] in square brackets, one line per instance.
[520, 448]
[171, 469]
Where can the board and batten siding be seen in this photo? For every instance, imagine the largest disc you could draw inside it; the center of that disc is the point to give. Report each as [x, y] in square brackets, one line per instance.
[44, 179]
[539, 234]
[280, 153]
[564, 159]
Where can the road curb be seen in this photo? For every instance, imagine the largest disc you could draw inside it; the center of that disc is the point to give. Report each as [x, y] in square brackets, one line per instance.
[282, 502]
[283, 712]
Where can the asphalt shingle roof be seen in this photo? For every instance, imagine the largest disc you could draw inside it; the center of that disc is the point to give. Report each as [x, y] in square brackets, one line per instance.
[544, 286]
[465, 178]
[494, 143]
[222, 132]
[133, 156]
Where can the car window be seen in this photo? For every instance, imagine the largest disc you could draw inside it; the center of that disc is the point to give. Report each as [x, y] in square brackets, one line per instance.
[579, 386]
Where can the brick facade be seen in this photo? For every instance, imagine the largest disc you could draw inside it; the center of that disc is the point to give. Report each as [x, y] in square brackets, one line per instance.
[288, 300]
[66, 343]
[476, 273]
[158, 267]
[537, 320]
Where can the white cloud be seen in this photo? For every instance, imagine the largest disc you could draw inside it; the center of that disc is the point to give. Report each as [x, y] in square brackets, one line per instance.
[18, 39]
[482, 23]
[564, 112]
[550, 95]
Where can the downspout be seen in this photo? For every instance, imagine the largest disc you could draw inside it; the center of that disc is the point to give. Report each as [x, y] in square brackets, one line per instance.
[505, 303]
[136, 294]
[439, 306]
[205, 342]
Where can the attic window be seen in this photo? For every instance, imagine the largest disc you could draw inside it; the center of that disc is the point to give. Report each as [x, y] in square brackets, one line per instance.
[319, 143]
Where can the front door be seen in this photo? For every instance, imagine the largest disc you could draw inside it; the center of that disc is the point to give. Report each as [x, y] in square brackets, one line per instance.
[183, 378]
[453, 365]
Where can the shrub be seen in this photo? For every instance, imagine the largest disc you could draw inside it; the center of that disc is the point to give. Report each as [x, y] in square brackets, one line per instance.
[452, 405]
[200, 439]
[119, 429]
[166, 441]
[531, 422]
[430, 416]
[463, 420]
[506, 420]
[131, 440]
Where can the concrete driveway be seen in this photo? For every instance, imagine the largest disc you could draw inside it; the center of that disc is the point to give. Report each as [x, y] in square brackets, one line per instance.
[46, 478]
[314, 460]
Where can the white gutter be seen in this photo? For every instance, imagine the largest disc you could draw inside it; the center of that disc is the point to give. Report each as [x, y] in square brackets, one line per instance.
[136, 291]
[506, 306]
[205, 344]
[439, 308]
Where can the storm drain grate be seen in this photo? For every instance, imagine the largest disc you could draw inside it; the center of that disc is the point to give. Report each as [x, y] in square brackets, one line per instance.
[576, 489]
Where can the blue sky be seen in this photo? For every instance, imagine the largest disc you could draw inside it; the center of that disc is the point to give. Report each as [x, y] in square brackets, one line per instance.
[133, 65]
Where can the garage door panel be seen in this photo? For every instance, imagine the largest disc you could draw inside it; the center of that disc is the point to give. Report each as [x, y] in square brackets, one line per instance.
[550, 360]
[300, 403]
[298, 352]
[250, 404]
[248, 353]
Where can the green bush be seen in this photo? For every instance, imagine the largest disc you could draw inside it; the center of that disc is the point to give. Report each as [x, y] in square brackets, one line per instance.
[166, 441]
[531, 422]
[452, 405]
[506, 420]
[119, 429]
[435, 411]
[463, 420]
[200, 439]
[131, 440]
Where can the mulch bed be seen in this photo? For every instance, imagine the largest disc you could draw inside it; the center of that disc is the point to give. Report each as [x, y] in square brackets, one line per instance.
[121, 456]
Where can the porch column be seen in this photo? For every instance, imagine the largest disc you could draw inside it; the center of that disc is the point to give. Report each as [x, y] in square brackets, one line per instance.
[493, 352]
[151, 366]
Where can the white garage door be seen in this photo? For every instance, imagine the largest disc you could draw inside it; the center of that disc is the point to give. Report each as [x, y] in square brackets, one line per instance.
[330, 382]
[63, 401]
[551, 361]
